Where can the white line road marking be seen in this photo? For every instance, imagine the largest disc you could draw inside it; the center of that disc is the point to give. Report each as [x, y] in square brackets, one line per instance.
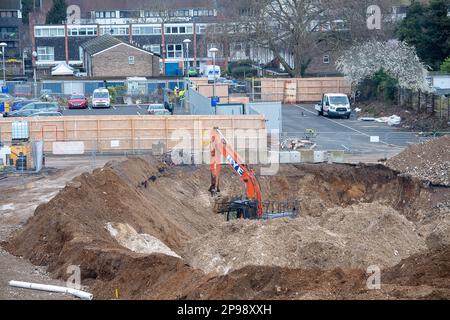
[138, 113]
[114, 107]
[139, 106]
[345, 147]
[343, 125]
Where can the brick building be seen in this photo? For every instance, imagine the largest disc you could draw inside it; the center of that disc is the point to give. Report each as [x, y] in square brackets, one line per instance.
[10, 24]
[107, 56]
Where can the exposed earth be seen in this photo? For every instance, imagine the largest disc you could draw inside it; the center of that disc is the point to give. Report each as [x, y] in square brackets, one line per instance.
[150, 231]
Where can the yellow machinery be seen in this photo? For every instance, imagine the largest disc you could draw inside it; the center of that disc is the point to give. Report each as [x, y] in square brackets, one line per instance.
[25, 149]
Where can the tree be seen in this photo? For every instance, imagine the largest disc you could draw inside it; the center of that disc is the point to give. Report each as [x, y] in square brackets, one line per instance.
[299, 30]
[27, 7]
[57, 14]
[395, 58]
[445, 66]
[427, 28]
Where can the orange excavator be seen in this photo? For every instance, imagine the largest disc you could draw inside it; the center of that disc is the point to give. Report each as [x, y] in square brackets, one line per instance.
[251, 206]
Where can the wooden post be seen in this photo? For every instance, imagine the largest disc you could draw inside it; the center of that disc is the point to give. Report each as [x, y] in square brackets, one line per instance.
[98, 131]
[132, 134]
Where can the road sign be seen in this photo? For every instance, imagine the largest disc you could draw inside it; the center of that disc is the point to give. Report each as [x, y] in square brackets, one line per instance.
[214, 101]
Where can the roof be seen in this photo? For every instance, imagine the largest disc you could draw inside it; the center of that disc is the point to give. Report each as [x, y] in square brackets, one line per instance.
[104, 5]
[62, 69]
[100, 43]
[106, 42]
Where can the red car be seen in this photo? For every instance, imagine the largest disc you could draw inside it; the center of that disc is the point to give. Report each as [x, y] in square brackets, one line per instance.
[77, 101]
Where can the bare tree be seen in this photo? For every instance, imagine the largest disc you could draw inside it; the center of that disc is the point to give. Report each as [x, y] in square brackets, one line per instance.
[297, 28]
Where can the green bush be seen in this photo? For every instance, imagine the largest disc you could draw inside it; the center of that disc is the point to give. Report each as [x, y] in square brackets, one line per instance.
[241, 69]
[381, 86]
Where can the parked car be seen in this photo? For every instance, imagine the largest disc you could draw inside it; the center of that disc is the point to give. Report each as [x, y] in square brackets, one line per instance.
[101, 99]
[77, 101]
[46, 114]
[4, 97]
[20, 113]
[19, 104]
[334, 104]
[43, 106]
[155, 106]
[192, 72]
[161, 112]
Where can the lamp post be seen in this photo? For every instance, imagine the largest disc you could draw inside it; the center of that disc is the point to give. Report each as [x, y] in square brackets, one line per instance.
[187, 42]
[3, 46]
[213, 52]
[34, 54]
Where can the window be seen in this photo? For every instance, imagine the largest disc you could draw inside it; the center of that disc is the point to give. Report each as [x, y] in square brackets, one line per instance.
[131, 60]
[155, 48]
[105, 14]
[201, 28]
[46, 53]
[179, 30]
[115, 30]
[49, 32]
[81, 53]
[146, 30]
[82, 31]
[326, 59]
[174, 51]
[8, 14]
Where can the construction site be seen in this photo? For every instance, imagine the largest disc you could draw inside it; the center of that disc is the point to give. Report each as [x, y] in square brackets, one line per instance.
[140, 227]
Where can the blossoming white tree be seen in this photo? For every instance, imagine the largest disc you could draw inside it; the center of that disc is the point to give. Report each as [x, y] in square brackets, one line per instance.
[362, 61]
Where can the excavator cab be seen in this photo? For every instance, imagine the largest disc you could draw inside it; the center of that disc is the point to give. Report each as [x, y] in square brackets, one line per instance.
[242, 209]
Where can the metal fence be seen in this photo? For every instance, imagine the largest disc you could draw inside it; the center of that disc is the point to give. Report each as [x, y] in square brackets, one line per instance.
[432, 103]
[361, 147]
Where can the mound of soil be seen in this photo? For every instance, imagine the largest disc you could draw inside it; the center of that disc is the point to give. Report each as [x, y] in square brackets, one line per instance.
[118, 222]
[428, 161]
[351, 238]
[76, 218]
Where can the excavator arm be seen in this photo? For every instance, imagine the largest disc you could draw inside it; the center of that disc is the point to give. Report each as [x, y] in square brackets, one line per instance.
[220, 147]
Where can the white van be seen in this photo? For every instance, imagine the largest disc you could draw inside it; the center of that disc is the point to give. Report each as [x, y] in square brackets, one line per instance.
[101, 99]
[213, 72]
[334, 105]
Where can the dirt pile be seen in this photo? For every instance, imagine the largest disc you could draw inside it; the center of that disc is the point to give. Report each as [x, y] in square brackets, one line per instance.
[149, 230]
[428, 161]
[353, 238]
[76, 218]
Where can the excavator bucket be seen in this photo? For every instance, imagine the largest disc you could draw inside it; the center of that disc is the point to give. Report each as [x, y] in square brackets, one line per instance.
[238, 208]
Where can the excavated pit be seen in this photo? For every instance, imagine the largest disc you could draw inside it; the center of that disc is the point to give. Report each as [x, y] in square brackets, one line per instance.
[150, 230]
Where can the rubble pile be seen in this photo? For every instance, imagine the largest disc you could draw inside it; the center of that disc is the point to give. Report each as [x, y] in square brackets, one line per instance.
[427, 161]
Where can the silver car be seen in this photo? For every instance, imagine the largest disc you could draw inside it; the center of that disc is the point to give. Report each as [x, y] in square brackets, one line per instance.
[42, 106]
[46, 114]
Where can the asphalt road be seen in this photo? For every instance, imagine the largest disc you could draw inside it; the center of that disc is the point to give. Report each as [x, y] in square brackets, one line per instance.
[351, 135]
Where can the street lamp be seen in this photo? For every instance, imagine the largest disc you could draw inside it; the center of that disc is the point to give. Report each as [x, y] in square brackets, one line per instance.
[213, 51]
[34, 54]
[187, 42]
[3, 46]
